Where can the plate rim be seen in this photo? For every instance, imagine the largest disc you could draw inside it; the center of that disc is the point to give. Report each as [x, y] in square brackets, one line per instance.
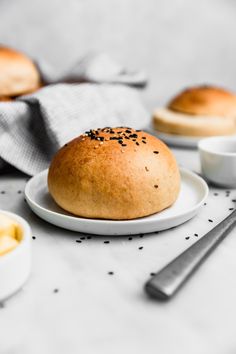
[175, 139]
[183, 170]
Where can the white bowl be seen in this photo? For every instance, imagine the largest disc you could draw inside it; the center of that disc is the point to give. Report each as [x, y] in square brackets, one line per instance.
[15, 265]
[218, 160]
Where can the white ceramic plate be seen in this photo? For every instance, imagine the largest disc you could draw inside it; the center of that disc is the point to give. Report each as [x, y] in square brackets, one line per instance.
[177, 140]
[194, 191]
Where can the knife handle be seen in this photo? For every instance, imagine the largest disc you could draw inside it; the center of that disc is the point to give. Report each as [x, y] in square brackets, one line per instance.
[168, 280]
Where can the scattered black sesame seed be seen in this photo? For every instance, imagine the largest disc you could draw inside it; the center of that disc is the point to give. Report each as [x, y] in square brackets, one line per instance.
[78, 241]
[196, 235]
[152, 274]
[187, 238]
[82, 238]
[231, 208]
[106, 241]
[66, 145]
[205, 203]
[146, 168]
[216, 194]
[110, 273]
[119, 136]
[210, 220]
[156, 186]
[140, 248]
[89, 237]
[130, 238]
[156, 152]
[34, 237]
[19, 192]
[3, 192]
[56, 291]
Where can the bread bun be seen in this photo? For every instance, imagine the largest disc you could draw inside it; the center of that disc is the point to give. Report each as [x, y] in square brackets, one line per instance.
[117, 174]
[168, 121]
[198, 111]
[206, 101]
[18, 74]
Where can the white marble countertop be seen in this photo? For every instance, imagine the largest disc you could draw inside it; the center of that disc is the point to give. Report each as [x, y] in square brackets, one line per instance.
[71, 304]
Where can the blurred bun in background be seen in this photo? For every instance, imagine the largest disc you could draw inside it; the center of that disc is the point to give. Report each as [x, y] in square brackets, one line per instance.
[18, 74]
[198, 111]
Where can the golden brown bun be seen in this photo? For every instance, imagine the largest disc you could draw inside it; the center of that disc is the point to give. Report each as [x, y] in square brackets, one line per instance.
[205, 100]
[18, 74]
[168, 121]
[198, 111]
[96, 176]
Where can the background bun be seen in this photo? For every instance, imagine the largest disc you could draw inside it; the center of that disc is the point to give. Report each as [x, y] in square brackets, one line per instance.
[168, 121]
[205, 100]
[198, 111]
[117, 173]
[18, 74]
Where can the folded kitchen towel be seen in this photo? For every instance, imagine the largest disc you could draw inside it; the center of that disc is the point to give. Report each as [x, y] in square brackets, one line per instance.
[34, 127]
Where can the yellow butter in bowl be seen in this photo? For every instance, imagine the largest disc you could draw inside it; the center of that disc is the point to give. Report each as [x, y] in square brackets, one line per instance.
[10, 234]
[15, 253]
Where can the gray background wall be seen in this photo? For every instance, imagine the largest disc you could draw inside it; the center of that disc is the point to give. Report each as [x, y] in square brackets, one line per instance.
[178, 42]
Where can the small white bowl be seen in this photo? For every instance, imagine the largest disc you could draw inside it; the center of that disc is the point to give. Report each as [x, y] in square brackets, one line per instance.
[218, 160]
[15, 265]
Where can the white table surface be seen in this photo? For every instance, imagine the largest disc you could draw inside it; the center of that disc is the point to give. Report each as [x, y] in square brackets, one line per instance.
[94, 312]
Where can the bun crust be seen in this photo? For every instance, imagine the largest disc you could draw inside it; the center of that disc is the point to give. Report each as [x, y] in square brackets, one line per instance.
[168, 121]
[5, 99]
[114, 174]
[18, 74]
[205, 100]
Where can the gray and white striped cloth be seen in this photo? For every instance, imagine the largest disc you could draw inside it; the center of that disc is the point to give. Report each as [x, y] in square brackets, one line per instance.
[34, 127]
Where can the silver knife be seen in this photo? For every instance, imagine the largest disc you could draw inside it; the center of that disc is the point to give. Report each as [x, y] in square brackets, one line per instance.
[169, 280]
